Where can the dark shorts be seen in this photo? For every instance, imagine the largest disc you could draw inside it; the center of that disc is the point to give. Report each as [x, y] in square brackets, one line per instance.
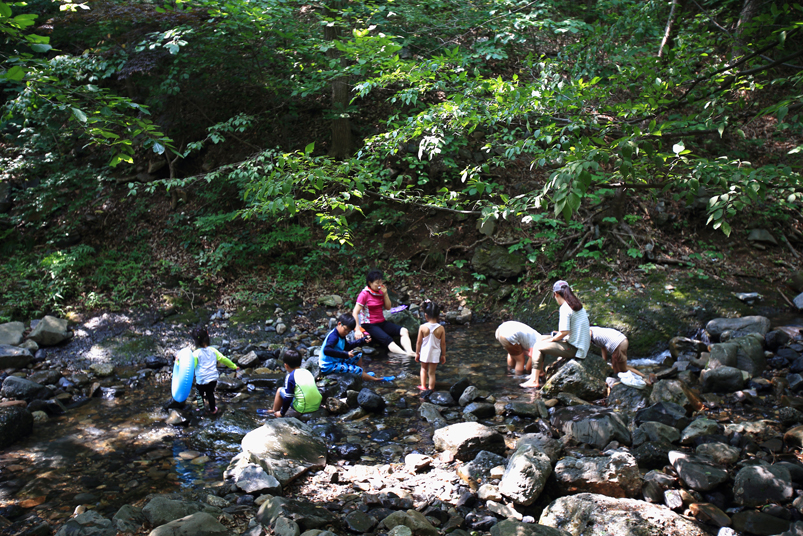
[383, 333]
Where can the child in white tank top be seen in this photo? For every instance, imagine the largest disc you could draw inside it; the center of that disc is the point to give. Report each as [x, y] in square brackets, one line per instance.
[431, 346]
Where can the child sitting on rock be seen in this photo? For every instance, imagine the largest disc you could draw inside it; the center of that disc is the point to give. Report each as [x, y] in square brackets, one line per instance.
[337, 354]
[299, 392]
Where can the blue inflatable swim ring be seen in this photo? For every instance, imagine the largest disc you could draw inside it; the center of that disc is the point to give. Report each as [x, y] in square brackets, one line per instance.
[183, 371]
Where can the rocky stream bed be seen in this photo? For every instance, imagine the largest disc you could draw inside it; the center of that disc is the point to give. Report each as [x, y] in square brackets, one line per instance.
[94, 445]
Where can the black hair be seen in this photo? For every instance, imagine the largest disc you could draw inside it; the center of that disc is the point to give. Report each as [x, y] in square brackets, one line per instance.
[373, 275]
[292, 358]
[567, 294]
[431, 309]
[347, 320]
[200, 336]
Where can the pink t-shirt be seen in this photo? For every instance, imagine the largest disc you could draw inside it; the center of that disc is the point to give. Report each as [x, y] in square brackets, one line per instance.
[375, 306]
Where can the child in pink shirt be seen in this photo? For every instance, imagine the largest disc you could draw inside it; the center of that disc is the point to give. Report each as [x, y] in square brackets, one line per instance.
[370, 316]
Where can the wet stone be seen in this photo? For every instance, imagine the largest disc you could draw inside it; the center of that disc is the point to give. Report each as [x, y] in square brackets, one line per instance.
[758, 485]
[699, 473]
[357, 521]
[481, 410]
[441, 398]
[478, 470]
[753, 522]
[667, 413]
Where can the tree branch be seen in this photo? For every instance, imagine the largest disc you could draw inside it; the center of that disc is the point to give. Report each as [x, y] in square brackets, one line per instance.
[423, 205]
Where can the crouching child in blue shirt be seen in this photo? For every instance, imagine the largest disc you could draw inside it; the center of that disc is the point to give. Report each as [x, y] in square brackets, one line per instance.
[299, 391]
[337, 354]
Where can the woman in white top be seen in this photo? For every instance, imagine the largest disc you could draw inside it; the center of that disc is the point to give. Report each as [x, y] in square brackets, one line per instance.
[572, 338]
[431, 346]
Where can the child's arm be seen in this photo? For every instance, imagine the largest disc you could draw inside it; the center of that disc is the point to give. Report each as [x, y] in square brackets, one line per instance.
[419, 342]
[221, 359]
[289, 389]
[330, 346]
[443, 345]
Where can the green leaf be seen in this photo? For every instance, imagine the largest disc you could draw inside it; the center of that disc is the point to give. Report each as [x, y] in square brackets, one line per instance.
[15, 74]
[782, 111]
[158, 148]
[79, 115]
[309, 148]
[40, 48]
[5, 11]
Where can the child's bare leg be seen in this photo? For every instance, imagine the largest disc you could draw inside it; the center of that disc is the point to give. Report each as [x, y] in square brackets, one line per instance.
[431, 370]
[519, 362]
[365, 376]
[423, 384]
[395, 348]
[277, 402]
[405, 342]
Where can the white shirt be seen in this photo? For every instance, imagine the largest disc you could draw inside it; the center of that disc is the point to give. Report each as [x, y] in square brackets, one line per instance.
[576, 323]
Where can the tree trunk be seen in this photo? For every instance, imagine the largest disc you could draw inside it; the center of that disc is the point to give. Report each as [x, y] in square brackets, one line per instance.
[748, 11]
[341, 92]
[675, 13]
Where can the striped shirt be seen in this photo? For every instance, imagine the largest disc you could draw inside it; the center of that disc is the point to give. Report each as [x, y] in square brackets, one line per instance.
[576, 323]
[607, 338]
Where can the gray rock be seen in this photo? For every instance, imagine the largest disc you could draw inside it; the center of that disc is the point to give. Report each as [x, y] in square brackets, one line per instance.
[720, 453]
[481, 410]
[655, 431]
[15, 423]
[683, 347]
[795, 529]
[615, 475]
[370, 401]
[588, 514]
[415, 521]
[509, 527]
[748, 351]
[699, 473]
[11, 334]
[89, 523]
[357, 521]
[331, 300]
[441, 398]
[478, 470]
[758, 485]
[738, 326]
[628, 400]
[543, 443]
[22, 389]
[776, 339]
[497, 262]
[468, 395]
[532, 410]
[594, 425]
[798, 301]
[667, 413]
[286, 527]
[248, 360]
[762, 235]
[697, 428]
[465, 440]
[252, 478]
[722, 355]
[307, 515]
[14, 357]
[723, 379]
[50, 331]
[525, 475]
[406, 319]
[578, 377]
[102, 370]
[197, 524]
[677, 392]
[128, 519]
[759, 523]
[281, 328]
[161, 510]
[45, 377]
[431, 414]
[285, 448]
[225, 433]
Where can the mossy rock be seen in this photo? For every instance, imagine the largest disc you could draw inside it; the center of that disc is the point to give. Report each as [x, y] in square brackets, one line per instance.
[128, 347]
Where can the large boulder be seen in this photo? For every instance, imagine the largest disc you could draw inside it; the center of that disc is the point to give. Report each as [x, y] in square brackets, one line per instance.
[589, 514]
[22, 389]
[594, 425]
[199, 524]
[509, 527]
[285, 448]
[14, 357]
[698, 472]
[15, 423]
[615, 475]
[745, 353]
[89, 523]
[737, 326]
[543, 443]
[656, 432]
[11, 333]
[675, 391]
[628, 400]
[252, 478]
[578, 377]
[405, 319]
[466, 439]
[757, 485]
[526, 474]
[50, 331]
[723, 379]
[497, 262]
